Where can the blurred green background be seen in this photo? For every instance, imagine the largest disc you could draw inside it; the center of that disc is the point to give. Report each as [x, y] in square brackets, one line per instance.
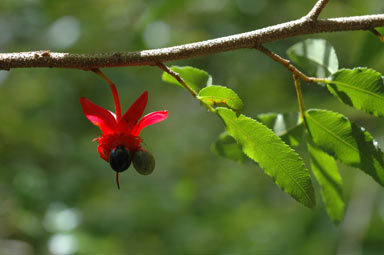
[58, 197]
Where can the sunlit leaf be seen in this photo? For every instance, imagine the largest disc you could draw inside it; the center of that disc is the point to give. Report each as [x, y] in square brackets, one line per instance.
[352, 145]
[221, 96]
[326, 172]
[276, 158]
[316, 57]
[194, 77]
[226, 146]
[286, 125]
[361, 88]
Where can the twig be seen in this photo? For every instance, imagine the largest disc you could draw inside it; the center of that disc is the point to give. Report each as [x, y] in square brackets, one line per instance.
[288, 65]
[377, 33]
[301, 26]
[178, 78]
[316, 10]
[184, 84]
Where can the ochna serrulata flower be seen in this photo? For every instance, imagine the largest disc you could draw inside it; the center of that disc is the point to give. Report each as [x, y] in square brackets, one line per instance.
[120, 139]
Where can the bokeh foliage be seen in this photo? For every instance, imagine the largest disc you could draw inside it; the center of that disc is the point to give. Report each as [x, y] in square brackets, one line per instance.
[56, 190]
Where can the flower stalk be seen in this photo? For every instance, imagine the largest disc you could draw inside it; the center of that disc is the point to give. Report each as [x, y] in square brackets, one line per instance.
[113, 88]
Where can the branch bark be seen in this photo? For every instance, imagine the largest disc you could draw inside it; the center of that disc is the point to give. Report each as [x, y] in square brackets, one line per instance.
[251, 39]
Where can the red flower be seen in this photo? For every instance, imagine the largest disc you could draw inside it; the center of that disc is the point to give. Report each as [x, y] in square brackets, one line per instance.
[120, 138]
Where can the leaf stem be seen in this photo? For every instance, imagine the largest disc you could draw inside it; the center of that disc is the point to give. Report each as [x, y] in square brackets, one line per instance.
[299, 97]
[184, 84]
[113, 88]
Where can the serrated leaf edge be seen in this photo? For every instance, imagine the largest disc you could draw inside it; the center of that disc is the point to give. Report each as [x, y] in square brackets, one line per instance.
[280, 166]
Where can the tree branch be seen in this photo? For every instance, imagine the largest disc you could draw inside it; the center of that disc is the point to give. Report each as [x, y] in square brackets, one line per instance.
[316, 10]
[301, 26]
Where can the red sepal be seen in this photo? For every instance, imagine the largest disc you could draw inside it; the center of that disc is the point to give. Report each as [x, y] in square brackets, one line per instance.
[132, 116]
[149, 119]
[99, 116]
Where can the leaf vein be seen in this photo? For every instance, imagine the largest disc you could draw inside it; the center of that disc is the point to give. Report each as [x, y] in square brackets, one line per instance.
[358, 89]
[332, 133]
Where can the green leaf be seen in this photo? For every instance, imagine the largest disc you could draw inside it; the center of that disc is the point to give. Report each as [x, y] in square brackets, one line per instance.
[353, 146]
[221, 96]
[325, 170]
[316, 57]
[277, 159]
[361, 88]
[286, 125]
[194, 77]
[227, 147]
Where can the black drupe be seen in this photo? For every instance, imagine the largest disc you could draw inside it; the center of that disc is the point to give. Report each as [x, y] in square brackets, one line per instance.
[120, 159]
